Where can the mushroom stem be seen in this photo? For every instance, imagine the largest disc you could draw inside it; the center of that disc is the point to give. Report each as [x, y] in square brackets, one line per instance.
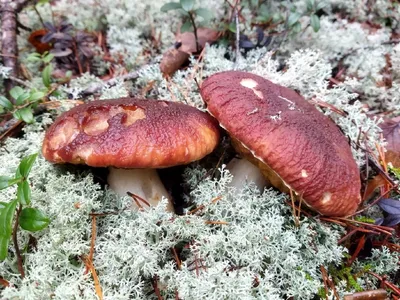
[244, 172]
[144, 183]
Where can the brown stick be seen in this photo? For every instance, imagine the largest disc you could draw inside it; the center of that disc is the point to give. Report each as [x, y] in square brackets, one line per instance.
[380, 294]
[9, 10]
[4, 282]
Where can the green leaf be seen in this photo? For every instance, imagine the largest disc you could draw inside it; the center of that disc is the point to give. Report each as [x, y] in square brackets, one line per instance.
[25, 165]
[32, 219]
[206, 14]
[25, 114]
[47, 58]
[263, 10]
[68, 74]
[276, 18]
[314, 21]
[46, 74]
[16, 91]
[187, 26]
[24, 193]
[310, 4]
[6, 181]
[293, 18]
[34, 57]
[6, 103]
[296, 27]
[232, 27]
[35, 96]
[170, 6]
[6, 218]
[263, 18]
[320, 5]
[2, 205]
[22, 98]
[187, 5]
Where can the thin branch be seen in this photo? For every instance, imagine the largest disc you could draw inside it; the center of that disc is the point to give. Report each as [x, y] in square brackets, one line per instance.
[237, 38]
[88, 260]
[22, 26]
[21, 82]
[39, 16]
[195, 31]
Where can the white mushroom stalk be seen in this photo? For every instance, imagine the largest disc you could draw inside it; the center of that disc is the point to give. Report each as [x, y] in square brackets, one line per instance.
[144, 183]
[244, 172]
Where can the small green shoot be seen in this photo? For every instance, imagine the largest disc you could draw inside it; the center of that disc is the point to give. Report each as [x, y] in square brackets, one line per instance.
[18, 211]
[188, 8]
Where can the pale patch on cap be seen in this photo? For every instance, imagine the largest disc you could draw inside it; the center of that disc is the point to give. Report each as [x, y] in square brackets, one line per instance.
[251, 84]
[133, 115]
[64, 134]
[326, 197]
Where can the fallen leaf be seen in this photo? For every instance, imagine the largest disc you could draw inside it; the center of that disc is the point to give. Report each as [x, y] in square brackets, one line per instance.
[188, 40]
[391, 132]
[172, 60]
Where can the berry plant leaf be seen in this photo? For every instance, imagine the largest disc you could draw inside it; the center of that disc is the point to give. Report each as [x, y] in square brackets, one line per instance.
[25, 165]
[5, 182]
[205, 13]
[314, 21]
[35, 96]
[187, 5]
[4, 102]
[32, 219]
[46, 74]
[170, 6]
[187, 26]
[293, 18]
[6, 218]
[16, 91]
[24, 193]
[25, 114]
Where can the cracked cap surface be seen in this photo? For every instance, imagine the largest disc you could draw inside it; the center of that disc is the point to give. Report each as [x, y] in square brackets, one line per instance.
[131, 133]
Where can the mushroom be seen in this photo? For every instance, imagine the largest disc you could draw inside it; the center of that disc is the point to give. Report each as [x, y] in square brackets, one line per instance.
[296, 147]
[133, 138]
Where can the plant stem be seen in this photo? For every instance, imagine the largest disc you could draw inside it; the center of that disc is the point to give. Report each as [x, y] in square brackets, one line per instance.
[15, 241]
[195, 31]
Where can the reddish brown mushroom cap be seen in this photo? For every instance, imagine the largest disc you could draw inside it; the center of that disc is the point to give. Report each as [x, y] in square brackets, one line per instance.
[131, 133]
[288, 138]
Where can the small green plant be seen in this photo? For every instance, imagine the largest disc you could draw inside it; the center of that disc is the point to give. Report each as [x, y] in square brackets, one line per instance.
[19, 210]
[22, 104]
[313, 6]
[270, 15]
[187, 6]
[45, 59]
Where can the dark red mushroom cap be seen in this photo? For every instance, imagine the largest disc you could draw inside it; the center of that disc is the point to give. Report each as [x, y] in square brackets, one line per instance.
[288, 138]
[131, 133]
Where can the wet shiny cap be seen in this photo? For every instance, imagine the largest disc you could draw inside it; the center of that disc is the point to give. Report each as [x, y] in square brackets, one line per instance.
[288, 138]
[131, 133]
